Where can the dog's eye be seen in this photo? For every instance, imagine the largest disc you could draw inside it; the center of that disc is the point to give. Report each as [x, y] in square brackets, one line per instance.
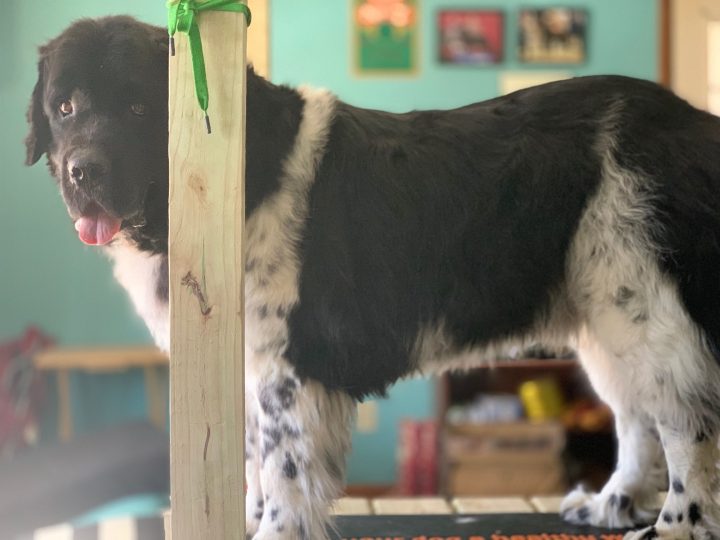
[138, 109]
[66, 108]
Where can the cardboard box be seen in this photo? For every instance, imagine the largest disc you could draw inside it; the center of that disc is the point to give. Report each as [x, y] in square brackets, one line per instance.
[506, 480]
[520, 458]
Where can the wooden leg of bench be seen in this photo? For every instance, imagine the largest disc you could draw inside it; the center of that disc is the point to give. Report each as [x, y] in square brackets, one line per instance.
[65, 419]
[156, 397]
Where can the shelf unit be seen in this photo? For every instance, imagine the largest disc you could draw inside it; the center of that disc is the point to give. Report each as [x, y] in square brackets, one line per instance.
[588, 456]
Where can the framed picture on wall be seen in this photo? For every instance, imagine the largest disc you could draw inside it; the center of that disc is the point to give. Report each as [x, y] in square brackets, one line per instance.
[553, 35]
[385, 36]
[470, 36]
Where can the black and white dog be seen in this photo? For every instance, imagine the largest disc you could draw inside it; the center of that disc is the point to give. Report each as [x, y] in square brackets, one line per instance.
[381, 245]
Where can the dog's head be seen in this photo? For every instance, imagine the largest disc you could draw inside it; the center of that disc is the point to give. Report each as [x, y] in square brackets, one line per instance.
[99, 112]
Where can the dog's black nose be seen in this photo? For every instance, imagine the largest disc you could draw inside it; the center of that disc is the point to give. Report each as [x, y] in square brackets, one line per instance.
[84, 171]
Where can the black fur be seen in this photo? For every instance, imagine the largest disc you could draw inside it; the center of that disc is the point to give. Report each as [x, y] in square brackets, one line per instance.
[583, 514]
[462, 216]
[289, 467]
[694, 514]
[650, 534]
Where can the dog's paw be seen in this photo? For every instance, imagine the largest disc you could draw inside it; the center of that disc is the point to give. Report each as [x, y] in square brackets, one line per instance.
[271, 535]
[648, 533]
[682, 521]
[281, 533]
[281, 530]
[677, 531]
[609, 510]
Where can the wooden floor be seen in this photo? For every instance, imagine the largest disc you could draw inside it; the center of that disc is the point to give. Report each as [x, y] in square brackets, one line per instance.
[353, 506]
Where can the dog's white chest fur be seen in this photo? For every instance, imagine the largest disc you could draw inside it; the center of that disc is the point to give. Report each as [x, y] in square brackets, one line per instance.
[138, 272]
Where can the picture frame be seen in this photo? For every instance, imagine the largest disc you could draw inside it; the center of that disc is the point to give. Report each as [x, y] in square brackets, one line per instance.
[471, 37]
[552, 35]
[385, 36]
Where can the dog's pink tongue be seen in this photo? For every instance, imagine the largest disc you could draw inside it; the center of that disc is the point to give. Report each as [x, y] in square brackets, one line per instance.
[98, 229]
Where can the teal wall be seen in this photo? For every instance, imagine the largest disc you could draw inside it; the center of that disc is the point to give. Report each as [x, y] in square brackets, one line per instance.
[311, 35]
[47, 277]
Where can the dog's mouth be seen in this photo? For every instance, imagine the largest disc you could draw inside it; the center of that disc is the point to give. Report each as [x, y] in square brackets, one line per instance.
[96, 227]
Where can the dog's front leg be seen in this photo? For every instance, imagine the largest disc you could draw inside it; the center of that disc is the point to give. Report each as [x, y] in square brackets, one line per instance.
[304, 437]
[254, 500]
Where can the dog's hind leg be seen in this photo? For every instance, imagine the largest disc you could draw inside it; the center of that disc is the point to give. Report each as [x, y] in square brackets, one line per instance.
[681, 393]
[628, 498]
[305, 436]
[656, 373]
[647, 356]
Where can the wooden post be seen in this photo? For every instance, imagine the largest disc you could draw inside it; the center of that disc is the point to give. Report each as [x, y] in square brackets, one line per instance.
[206, 285]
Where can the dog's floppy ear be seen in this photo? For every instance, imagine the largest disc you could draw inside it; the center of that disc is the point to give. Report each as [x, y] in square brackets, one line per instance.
[38, 140]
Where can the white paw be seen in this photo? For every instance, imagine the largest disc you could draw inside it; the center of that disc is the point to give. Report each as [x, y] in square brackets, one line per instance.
[269, 535]
[677, 532]
[680, 520]
[609, 510]
[282, 533]
[281, 530]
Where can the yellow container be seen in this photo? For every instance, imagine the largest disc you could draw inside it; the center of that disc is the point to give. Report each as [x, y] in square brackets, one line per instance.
[542, 399]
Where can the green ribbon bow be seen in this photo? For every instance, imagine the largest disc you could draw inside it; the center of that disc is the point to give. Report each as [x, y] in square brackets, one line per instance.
[182, 17]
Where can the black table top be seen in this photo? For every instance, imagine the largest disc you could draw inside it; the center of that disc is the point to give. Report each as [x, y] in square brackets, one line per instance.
[466, 527]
